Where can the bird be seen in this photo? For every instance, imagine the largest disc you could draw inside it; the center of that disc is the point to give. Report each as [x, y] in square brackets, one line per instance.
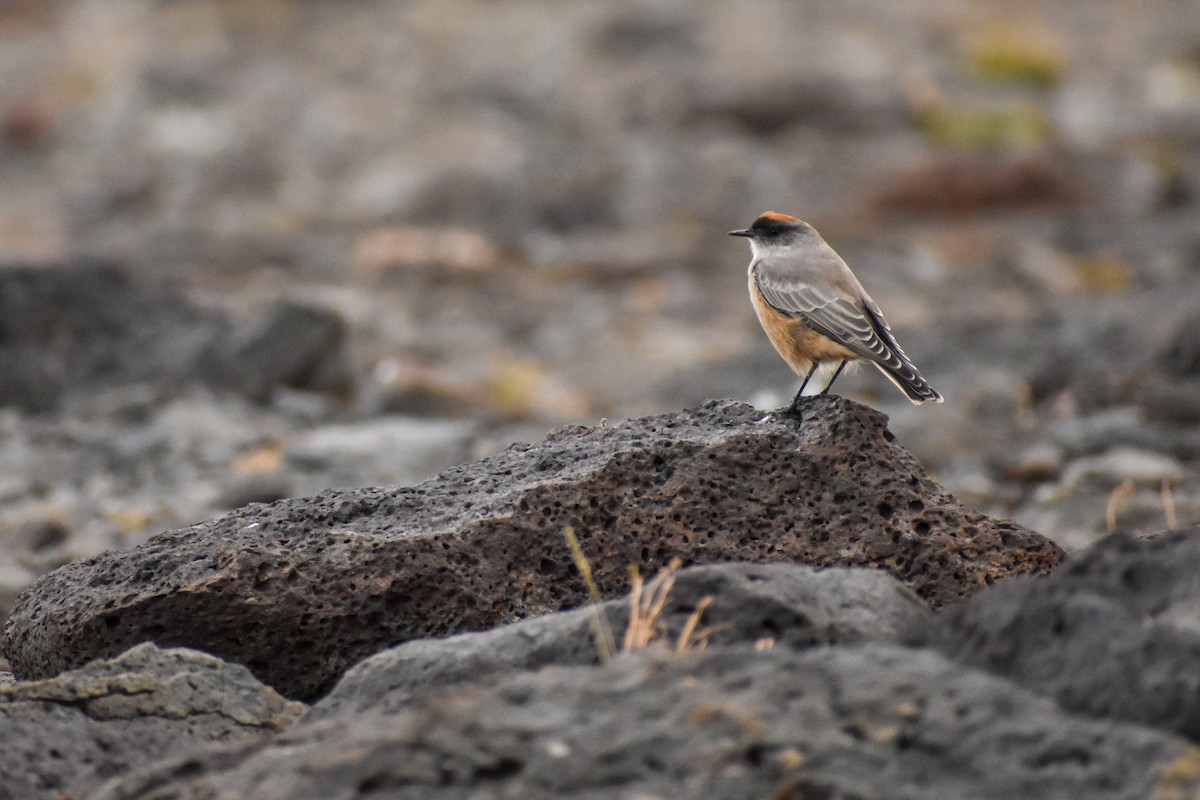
[815, 312]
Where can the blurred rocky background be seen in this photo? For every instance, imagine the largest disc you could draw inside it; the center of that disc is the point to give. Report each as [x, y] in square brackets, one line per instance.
[256, 248]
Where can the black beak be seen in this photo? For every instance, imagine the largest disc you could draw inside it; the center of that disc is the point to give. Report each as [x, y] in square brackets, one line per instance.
[743, 232]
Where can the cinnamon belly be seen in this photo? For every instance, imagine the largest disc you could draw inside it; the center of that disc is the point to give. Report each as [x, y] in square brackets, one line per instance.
[799, 344]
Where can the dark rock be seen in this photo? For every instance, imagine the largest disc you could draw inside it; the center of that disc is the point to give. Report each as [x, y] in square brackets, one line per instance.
[292, 345]
[1117, 427]
[778, 102]
[25, 125]
[63, 737]
[777, 605]
[241, 490]
[640, 36]
[1170, 401]
[68, 332]
[38, 534]
[870, 722]
[85, 326]
[1115, 633]
[971, 184]
[301, 589]
[1181, 356]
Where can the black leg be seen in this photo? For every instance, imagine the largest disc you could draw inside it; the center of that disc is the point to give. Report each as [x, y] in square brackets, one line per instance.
[841, 367]
[807, 377]
[800, 393]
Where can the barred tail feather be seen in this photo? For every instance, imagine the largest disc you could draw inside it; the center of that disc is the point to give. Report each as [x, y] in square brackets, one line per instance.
[909, 381]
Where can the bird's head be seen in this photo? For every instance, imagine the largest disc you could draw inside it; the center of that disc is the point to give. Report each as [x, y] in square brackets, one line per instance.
[773, 229]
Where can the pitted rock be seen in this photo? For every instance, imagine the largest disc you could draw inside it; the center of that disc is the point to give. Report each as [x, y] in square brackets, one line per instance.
[778, 606]
[299, 590]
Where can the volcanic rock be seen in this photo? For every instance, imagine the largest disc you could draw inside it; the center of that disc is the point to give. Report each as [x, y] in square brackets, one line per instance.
[299, 590]
[1114, 633]
[754, 605]
[64, 736]
[872, 722]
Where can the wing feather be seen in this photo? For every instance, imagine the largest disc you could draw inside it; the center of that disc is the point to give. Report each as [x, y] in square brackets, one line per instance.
[829, 314]
[857, 326]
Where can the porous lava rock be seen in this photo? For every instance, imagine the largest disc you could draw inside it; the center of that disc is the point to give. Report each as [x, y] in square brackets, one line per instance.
[64, 736]
[1114, 633]
[754, 605]
[299, 590]
[873, 722]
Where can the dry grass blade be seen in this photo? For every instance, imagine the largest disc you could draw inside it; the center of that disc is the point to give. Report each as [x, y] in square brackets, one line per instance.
[691, 638]
[647, 604]
[1114, 499]
[634, 630]
[647, 601]
[689, 629]
[601, 632]
[1168, 500]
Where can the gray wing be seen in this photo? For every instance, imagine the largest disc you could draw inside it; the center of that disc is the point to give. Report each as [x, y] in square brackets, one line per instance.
[857, 326]
[832, 314]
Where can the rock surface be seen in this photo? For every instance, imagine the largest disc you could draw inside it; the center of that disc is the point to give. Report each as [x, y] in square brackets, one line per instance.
[1114, 633]
[872, 722]
[64, 736]
[763, 605]
[301, 589]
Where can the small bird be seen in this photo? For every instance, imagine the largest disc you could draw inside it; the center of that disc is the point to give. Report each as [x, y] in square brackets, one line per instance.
[816, 312]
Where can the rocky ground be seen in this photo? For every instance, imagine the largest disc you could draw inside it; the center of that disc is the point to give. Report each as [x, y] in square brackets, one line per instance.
[354, 246]
[962, 665]
[259, 251]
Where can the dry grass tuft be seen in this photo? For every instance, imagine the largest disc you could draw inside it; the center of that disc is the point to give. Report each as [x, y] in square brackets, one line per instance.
[1168, 501]
[647, 604]
[1115, 498]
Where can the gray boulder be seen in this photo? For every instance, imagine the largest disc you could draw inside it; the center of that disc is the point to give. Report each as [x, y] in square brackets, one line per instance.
[69, 331]
[776, 605]
[1115, 633]
[873, 722]
[64, 736]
